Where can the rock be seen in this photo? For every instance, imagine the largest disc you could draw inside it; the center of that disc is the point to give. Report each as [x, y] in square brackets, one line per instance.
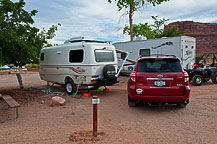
[41, 102]
[205, 34]
[58, 101]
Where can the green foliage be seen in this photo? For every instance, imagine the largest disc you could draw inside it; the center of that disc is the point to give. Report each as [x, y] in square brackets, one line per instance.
[147, 31]
[172, 32]
[32, 66]
[20, 42]
[133, 6]
[160, 32]
[140, 30]
[136, 3]
[158, 24]
[198, 58]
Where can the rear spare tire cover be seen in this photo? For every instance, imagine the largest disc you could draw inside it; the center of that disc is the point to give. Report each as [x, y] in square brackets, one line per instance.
[109, 72]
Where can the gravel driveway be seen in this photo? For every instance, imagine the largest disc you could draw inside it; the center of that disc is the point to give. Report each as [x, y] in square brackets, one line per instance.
[39, 123]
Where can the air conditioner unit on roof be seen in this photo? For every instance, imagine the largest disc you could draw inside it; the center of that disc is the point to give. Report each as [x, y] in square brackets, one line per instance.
[80, 38]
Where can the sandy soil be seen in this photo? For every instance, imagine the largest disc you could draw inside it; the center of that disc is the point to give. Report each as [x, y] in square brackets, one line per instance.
[39, 123]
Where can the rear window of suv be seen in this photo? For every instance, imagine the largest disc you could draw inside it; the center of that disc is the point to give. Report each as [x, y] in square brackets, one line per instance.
[159, 65]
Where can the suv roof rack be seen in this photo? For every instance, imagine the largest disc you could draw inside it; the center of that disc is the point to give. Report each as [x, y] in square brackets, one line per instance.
[158, 55]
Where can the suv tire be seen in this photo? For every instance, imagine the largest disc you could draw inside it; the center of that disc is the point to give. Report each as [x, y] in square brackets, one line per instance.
[214, 78]
[70, 86]
[181, 105]
[197, 80]
[131, 102]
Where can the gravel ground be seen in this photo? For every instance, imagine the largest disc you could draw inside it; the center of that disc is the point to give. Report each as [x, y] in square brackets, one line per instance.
[39, 123]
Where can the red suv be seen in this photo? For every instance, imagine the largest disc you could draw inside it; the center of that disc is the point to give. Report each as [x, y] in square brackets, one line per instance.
[159, 79]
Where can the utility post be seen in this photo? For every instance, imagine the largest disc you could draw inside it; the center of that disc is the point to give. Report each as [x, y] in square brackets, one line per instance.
[95, 102]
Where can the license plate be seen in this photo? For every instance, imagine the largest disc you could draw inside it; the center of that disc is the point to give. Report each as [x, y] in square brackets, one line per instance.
[159, 83]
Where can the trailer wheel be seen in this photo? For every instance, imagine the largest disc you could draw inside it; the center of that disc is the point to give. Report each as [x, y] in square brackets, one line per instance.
[214, 78]
[197, 80]
[109, 72]
[70, 86]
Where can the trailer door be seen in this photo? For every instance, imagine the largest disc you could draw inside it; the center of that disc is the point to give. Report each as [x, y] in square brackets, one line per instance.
[188, 55]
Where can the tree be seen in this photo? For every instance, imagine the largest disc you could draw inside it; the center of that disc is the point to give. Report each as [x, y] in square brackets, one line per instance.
[140, 30]
[20, 42]
[157, 25]
[133, 6]
[151, 33]
[172, 32]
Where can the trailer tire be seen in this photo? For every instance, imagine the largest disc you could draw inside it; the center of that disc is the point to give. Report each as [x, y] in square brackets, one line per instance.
[197, 80]
[70, 86]
[109, 72]
[214, 78]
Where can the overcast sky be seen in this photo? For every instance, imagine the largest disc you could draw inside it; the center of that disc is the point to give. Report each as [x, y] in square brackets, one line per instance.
[102, 20]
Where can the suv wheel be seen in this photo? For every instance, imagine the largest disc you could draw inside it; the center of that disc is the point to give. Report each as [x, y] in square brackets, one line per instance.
[214, 78]
[131, 102]
[181, 105]
[70, 86]
[197, 80]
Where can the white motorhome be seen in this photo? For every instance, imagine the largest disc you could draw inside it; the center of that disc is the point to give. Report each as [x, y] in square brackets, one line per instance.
[79, 62]
[183, 47]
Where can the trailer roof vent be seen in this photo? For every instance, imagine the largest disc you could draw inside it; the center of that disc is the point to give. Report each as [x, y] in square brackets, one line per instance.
[80, 38]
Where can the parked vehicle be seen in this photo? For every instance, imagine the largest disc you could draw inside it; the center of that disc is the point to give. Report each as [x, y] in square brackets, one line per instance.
[183, 47]
[80, 62]
[200, 74]
[159, 79]
[5, 67]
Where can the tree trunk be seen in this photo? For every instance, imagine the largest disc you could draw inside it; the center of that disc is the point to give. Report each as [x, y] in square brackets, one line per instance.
[131, 22]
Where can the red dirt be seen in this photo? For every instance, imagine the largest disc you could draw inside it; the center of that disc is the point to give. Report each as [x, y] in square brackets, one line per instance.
[39, 123]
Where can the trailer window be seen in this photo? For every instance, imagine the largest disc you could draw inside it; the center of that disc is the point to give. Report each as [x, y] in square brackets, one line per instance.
[42, 57]
[76, 56]
[104, 55]
[144, 52]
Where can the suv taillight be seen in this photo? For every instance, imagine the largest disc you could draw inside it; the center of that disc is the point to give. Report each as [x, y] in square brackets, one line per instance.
[133, 76]
[186, 78]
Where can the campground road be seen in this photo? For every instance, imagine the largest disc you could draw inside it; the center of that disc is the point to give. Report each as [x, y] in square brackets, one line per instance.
[40, 123]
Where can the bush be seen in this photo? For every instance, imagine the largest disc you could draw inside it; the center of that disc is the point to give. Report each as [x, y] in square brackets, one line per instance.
[32, 66]
[198, 58]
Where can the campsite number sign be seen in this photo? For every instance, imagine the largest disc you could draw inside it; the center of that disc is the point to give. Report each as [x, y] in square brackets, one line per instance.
[96, 101]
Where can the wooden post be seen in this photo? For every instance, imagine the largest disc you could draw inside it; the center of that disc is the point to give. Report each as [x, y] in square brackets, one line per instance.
[20, 80]
[95, 102]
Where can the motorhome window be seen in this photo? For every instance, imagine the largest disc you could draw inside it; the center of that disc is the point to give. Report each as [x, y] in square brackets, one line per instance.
[42, 57]
[76, 56]
[144, 52]
[104, 55]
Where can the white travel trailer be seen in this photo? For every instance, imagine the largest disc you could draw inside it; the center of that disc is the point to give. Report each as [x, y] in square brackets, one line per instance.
[183, 47]
[79, 62]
